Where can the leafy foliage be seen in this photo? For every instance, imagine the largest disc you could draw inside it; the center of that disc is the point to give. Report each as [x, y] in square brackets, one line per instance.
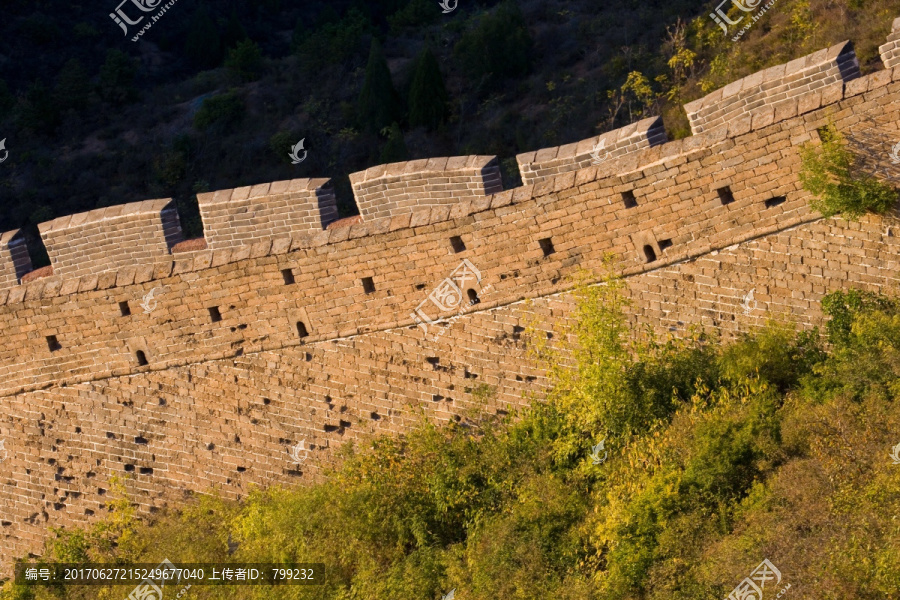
[719, 456]
[499, 47]
[245, 60]
[428, 97]
[834, 174]
[221, 110]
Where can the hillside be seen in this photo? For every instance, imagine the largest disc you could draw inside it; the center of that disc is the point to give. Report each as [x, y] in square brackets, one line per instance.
[712, 458]
[213, 96]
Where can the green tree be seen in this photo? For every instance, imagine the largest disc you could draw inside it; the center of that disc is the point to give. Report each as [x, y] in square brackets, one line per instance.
[203, 46]
[498, 48]
[379, 103]
[395, 148]
[428, 97]
[415, 14]
[234, 32]
[245, 61]
[39, 111]
[73, 87]
[220, 111]
[835, 176]
[117, 78]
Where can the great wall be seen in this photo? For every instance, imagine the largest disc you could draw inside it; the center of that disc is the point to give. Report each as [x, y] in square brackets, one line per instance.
[189, 365]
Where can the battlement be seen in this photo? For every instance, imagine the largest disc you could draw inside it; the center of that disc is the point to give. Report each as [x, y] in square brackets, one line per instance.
[540, 165]
[109, 238]
[780, 88]
[400, 188]
[890, 51]
[244, 216]
[14, 259]
[200, 368]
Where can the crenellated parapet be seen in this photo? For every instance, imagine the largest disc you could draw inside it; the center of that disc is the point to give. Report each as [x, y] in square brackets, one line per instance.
[14, 259]
[781, 89]
[542, 164]
[405, 187]
[109, 238]
[890, 51]
[244, 216]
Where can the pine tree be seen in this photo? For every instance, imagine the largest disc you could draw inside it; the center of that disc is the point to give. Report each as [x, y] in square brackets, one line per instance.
[379, 103]
[203, 46]
[427, 95]
[395, 148]
[73, 86]
[234, 32]
[117, 78]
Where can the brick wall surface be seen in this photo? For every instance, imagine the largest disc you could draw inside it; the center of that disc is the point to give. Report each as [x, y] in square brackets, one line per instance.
[890, 51]
[546, 163]
[401, 188]
[14, 259]
[312, 336]
[777, 88]
[247, 215]
[109, 238]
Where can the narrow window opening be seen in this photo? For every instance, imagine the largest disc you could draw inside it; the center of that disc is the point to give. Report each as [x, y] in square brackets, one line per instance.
[214, 314]
[823, 132]
[142, 358]
[772, 202]
[302, 331]
[473, 297]
[629, 199]
[288, 275]
[665, 244]
[547, 246]
[649, 254]
[53, 343]
[124, 308]
[368, 285]
[725, 195]
[457, 243]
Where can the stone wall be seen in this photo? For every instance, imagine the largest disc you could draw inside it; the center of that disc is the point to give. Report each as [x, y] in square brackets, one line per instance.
[778, 88]
[401, 188]
[890, 51]
[14, 259]
[548, 162]
[243, 216]
[205, 369]
[109, 238]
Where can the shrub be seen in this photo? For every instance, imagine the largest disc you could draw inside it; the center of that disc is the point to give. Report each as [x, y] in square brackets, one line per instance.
[834, 174]
[245, 61]
[395, 148]
[222, 110]
[117, 78]
[333, 42]
[498, 48]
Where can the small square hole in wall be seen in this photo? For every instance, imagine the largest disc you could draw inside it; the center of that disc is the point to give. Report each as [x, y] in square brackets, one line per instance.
[288, 275]
[663, 244]
[772, 202]
[368, 285]
[649, 253]
[725, 195]
[141, 358]
[214, 314]
[457, 243]
[547, 246]
[53, 343]
[301, 329]
[124, 308]
[629, 199]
